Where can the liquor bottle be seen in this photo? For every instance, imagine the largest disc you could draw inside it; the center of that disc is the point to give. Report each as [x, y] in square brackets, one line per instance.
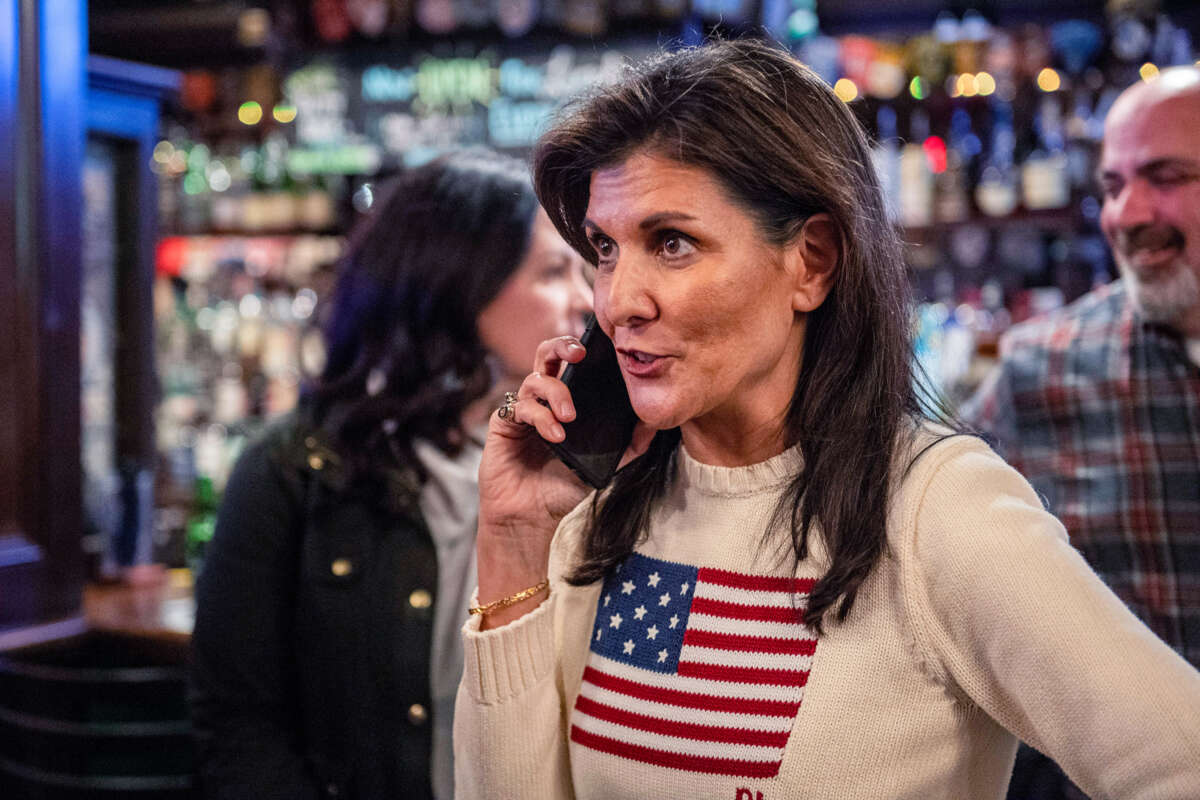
[228, 200]
[1000, 61]
[885, 155]
[201, 523]
[953, 203]
[996, 192]
[916, 178]
[1082, 133]
[280, 196]
[1045, 183]
[516, 17]
[627, 10]
[255, 206]
[369, 17]
[400, 19]
[473, 14]
[315, 207]
[585, 17]
[195, 203]
[331, 20]
[670, 10]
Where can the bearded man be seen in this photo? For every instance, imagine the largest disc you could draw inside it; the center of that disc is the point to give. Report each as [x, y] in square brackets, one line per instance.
[1098, 404]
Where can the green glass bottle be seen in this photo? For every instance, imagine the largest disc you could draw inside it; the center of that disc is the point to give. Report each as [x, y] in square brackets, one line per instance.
[201, 523]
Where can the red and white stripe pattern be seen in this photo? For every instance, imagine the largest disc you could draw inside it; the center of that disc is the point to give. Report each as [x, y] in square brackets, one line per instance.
[718, 699]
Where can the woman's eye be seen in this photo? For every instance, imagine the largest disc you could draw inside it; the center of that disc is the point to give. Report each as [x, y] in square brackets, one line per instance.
[605, 247]
[676, 245]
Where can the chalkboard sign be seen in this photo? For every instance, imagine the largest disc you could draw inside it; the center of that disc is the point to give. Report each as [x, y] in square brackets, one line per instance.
[353, 117]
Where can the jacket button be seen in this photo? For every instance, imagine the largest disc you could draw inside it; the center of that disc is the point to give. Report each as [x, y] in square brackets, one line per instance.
[341, 567]
[417, 714]
[315, 461]
[332, 790]
[420, 598]
[311, 443]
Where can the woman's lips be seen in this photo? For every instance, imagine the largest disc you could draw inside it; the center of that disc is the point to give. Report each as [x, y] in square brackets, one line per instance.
[641, 364]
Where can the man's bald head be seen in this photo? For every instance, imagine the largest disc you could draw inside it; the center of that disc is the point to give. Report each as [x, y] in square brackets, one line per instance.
[1150, 174]
[1175, 85]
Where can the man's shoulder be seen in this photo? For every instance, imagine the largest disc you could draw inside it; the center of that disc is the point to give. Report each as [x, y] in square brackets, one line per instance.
[1087, 322]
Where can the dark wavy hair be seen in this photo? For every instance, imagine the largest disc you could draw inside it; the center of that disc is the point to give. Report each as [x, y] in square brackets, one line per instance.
[403, 355]
[784, 147]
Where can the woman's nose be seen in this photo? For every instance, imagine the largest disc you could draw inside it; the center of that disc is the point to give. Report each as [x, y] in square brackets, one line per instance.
[628, 296]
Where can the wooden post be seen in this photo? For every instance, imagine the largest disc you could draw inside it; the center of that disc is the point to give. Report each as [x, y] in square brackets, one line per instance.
[42, 92]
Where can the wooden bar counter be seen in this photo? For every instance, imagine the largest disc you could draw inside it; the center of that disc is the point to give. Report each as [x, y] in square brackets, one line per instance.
[157, 606]
[96, 706]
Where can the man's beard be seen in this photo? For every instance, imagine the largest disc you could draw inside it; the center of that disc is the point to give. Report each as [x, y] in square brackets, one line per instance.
[1170, 292]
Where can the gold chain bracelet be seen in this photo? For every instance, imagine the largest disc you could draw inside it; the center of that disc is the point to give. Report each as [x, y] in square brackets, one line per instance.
[505, 602]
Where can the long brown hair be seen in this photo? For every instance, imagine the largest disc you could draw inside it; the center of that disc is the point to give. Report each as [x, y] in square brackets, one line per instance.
[784, 147]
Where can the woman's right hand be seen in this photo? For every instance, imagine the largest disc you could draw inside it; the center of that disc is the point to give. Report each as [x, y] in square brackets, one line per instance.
[524, 491]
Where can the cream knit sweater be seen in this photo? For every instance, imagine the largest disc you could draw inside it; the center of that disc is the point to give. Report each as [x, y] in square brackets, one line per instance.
[981, 625]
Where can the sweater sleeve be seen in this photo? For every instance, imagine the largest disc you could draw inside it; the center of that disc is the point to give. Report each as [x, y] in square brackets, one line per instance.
[1009, 615]
[242, 705]
[509, 732]
[510, 717]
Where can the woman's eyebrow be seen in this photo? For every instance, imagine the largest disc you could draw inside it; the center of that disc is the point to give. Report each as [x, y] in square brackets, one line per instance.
[654, 220]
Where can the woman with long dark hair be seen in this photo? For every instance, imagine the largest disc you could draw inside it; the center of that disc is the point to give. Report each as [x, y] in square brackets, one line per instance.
[800, 584]
[326, 642]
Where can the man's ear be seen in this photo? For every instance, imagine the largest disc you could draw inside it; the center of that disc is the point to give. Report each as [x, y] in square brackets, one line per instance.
[815, 253]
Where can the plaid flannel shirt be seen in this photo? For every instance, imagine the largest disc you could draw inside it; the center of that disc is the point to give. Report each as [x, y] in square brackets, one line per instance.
[1101, 413]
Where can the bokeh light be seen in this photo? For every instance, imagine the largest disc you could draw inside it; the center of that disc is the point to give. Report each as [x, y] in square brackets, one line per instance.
[163, 152]
[845, 89]
[250, 113]
[1048, 80]
[284, 113]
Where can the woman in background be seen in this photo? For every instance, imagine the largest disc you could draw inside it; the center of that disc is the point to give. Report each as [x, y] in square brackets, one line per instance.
[326, 648]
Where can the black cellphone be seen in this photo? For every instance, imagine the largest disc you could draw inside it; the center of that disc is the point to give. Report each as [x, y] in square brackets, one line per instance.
[604, 419]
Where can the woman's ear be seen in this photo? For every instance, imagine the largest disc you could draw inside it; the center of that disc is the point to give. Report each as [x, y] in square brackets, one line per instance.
[815, 252]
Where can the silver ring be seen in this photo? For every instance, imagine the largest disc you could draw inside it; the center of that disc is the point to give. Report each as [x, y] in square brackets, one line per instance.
[507, 411]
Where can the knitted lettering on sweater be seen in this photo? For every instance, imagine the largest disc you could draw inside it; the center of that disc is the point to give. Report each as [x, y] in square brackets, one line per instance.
[688, 673]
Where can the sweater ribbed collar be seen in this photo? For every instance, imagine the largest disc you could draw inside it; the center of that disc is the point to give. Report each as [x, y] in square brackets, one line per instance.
[764, 476]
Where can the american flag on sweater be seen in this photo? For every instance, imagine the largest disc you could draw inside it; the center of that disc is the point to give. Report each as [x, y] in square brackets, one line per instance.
[694, 668]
